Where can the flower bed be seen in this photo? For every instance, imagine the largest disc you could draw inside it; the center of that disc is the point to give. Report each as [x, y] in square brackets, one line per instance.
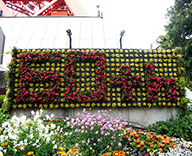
[88, 134]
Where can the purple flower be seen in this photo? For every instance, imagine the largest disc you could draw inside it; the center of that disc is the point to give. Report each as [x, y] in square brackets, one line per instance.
[76, 144]
[119, 144]
[99, 117]
[99, 140]
[96, 132]
[83, 141]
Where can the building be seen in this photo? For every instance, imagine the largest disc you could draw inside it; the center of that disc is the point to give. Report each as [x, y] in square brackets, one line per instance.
[2, 69]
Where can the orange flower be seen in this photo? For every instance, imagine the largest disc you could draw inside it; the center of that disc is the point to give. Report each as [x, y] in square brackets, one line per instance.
[4, 144]
[75, 150]
[63, 119]
[159, 136]
[60, 123]
[61, 148]
[105, 155]
[57, 119]
[30, 153]
[64, 154]
[142, 133]
[121, 153]
[142, 144]
[138, 141]
[60, 152]
[138, 146]
[21, 147]
[69, 152]
[174, 146]
[137, 136]
[115, 153]
[148, 139]
[160, 149]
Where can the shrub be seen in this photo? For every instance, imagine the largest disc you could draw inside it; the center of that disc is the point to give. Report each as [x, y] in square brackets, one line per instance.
[180, 127]
[4, 115]
[2, 97]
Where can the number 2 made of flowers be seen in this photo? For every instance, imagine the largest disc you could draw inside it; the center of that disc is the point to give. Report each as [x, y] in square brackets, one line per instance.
[35, 86]
[72, 57]
[41, 95]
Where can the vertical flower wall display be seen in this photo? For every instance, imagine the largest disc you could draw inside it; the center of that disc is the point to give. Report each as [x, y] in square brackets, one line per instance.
[70, 78]
[35, 85]
[72, 94]
[145, 78]
[155, 84]
[127, 82]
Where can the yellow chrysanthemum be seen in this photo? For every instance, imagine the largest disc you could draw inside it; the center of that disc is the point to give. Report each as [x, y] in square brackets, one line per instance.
[30, 153]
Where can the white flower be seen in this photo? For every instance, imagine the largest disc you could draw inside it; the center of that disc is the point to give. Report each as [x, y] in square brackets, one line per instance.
[55, 147]
[47, 117]
[23, 118]
[1, 154]
[41, 111]
[52, 115]
[52, 126]
[32, 112]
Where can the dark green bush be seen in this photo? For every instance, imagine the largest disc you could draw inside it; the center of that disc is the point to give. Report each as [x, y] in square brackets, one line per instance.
[4, 114]
[180, 127]
[2, 97]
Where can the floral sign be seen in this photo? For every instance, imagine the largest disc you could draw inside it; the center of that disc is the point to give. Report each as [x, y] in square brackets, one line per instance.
[93, 78]
[153, 83]
[71, 59]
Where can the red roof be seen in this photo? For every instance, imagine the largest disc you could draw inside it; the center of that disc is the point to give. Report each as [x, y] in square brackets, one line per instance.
[75, 7]
[54, 7]
[3, 7]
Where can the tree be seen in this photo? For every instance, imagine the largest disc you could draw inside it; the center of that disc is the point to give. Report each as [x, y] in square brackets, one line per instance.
[179, 34]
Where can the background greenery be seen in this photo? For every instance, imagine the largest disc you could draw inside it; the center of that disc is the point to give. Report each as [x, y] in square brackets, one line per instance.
[179, 34]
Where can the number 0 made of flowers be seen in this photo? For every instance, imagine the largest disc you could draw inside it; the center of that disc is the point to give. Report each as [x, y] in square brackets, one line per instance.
[73, 57]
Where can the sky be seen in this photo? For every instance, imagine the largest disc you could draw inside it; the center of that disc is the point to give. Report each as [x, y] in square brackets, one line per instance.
[142, 20]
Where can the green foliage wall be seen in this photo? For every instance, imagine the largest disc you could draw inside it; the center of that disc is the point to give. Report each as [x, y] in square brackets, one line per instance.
[93, 78]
